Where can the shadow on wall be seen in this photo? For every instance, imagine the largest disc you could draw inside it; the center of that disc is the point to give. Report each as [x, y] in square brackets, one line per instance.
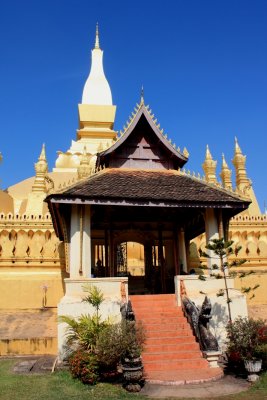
[218, 322]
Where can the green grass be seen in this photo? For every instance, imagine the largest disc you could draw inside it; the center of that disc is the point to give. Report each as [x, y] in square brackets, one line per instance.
[60, 385]
[57, 386]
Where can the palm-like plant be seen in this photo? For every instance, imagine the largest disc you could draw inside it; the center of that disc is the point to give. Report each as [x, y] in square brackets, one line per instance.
[84, 331]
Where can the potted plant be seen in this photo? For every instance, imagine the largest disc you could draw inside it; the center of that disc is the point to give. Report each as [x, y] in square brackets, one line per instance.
[246, 336]
[131, 361]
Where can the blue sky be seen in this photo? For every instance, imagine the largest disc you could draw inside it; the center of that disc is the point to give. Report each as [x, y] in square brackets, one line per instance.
[203, 65]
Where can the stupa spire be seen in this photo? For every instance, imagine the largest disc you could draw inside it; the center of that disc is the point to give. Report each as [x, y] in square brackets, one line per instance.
[239, 162]
[237, 147]
[226, 174]
[41, 169]
[97, 45]
[209, 167]
[96, 90]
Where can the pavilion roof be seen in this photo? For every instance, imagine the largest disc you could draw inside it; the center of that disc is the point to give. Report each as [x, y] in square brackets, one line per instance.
[148, 187]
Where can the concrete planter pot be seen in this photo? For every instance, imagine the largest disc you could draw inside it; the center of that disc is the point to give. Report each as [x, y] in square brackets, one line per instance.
[252, 367]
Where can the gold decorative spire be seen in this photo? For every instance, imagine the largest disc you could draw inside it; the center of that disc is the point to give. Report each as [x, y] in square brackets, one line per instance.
[239, 161]
[41, 169]
[209, 167]
[208, 153]
[42, 156]
[97, 46]
[185, 152]
[237, 147]
[226, 174]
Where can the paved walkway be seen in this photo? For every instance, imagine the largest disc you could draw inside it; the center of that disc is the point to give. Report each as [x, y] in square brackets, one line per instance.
[225, 386]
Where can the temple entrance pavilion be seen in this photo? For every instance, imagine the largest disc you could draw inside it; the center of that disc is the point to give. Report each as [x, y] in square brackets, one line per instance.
[138, 193]
[98, 216]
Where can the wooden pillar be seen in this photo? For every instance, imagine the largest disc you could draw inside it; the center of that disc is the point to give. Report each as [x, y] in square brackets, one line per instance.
[182, 250]
[111, 253]
[175, 252]
[161, 260]
[107, 269]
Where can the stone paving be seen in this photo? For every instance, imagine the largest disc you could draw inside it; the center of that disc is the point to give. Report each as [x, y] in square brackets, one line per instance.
[34, 365]
[225, 386]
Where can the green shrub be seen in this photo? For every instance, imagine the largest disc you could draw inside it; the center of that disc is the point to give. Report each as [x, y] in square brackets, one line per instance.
[84, 366]
[99, 346]
[118, 341]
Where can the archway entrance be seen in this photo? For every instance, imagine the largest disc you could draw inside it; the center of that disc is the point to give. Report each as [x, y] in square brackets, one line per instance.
[143, 265]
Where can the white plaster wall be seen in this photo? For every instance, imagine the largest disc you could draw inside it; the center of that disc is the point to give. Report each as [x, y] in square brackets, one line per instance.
[72, 305]
[219, 310]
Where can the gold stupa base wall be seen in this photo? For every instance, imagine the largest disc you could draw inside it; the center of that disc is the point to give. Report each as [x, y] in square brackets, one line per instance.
[33, 288]
[36, 346]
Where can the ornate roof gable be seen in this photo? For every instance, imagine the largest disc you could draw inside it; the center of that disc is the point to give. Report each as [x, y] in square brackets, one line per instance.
[143, 145]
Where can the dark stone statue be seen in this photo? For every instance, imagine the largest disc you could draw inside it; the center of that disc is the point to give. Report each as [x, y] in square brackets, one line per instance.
[127, 311]
[199, 321]
[208, 341]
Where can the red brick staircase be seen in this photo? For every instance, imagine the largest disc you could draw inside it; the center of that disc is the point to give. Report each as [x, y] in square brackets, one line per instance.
[171, 353]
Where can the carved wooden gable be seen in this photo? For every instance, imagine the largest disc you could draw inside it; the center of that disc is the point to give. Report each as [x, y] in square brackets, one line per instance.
[143, 147]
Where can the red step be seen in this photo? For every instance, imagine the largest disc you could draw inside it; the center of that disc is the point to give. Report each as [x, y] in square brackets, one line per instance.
[170, 344]
[164, 365]
[171, 347]
[176, 355]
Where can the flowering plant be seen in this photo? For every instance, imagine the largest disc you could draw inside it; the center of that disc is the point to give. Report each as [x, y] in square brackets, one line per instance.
[246, 337]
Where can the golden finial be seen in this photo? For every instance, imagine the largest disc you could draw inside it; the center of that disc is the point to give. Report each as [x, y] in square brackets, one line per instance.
[226, 175]
[224, 163]
[239, 162]
[208, 153]
[186, 152]
[42, 156]
[209, 167]
[237, 147]
[41, 169]
[97, 46]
